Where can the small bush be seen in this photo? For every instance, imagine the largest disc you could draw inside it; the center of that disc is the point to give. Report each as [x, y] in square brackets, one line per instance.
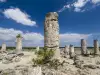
[54, 64]
[43, 56]
[18, 36]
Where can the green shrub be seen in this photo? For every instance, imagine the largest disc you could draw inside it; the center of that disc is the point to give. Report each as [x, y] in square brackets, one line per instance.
[43, 56]
[18, 36]
[54, 63]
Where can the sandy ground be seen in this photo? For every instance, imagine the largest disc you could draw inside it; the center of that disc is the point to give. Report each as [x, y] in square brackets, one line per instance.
[25, 60]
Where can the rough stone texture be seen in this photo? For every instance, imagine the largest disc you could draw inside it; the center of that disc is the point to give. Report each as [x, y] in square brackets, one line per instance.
[90, 62]
[96, 47]
[18, 44]
[37, 48]
[81, 65]
[3, 48]
[51, 33]
[28, 70]
[22, 70]
[83, 47]
[10, 58]
[78, 61]
[71, 51]
[66, 50]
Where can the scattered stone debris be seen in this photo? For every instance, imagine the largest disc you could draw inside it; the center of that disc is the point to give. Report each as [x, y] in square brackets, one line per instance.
[22, 70]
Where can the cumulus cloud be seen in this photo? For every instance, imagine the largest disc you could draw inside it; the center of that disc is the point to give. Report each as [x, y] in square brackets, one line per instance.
[95, 1]
[81, 5]
[3, 0]
[29, 38]
[20, 17]
[32, 39]
[73, 37]
[77, 9]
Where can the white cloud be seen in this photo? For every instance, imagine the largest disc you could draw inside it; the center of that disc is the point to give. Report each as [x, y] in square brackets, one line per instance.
[37, 39]
[73, 37]
[77, 9]
[3, 0]
[20, 17]
[8, 34]
[29, 38]
[95, 1]
[81, 5]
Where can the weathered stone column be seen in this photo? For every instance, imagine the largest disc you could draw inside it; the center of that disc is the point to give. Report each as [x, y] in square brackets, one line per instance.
[37, 48]
[3, 48]
[83, 47]
[71, 51]
[66, 50]
[51, 33]
[96, 47]
[18, 43]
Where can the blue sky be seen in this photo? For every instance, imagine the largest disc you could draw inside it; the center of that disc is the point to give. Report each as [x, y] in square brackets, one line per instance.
[78, 19]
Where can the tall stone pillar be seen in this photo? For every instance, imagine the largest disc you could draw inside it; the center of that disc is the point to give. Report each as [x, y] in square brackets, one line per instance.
[96, 47]
[3, 48]
[83, 47]
[18, 43]
[71, 51]
[66, 50]
[51, 33]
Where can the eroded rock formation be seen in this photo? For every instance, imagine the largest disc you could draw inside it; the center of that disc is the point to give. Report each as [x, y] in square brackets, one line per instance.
[71, 51]
[83, 47]
[18, 43]
[3, 48]
[96, 47]
[51, 33]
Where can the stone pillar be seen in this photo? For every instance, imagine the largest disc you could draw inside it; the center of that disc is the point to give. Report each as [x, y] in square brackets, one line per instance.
[37, 48]
[83, 47]
[66, 50]
[3, 48]
[71, 51]
[96, 47]
[18, 44]
[51, 33]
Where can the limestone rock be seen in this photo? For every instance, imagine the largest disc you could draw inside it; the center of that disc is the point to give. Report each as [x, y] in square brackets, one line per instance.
[7, 72]
[71, 52]
[66, 51]
[78, 62]
[37, 48]
[83, 47]
[96, 47]
[91, 66]
[18, 43]
[51, 33]
[3, 48]
[16, 59]
[27, 70]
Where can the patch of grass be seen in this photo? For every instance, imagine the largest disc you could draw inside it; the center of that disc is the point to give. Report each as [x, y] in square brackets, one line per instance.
[18, 36]
[43, 56]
